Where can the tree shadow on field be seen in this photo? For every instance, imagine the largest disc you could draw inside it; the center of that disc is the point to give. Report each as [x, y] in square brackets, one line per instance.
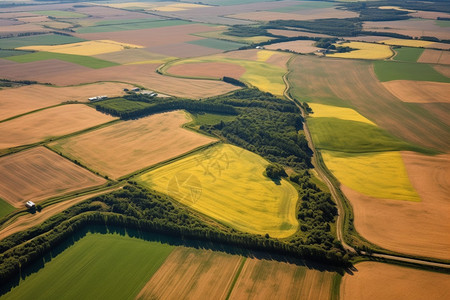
[160, 238]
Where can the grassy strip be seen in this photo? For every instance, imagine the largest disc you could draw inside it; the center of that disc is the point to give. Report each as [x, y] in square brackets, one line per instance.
[236, 277]
[336, 286]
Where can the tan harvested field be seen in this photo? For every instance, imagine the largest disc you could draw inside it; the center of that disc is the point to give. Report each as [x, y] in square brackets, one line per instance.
[416, 228]
[265, 279]
[184, 50]
[38, 174]
[429, 14]
[29, 220]
[365, 38]
[34, 19]
[411, 27]
[278, 59]
[22, 28]
[48, 123]
[102, 13]
[296, 46]
[192, 274]
[54, 71]
[419, 91]
[16, 101]
[129, 146]
[310, 14]
[445, 70]
[208, 69]
[128, 56]
[322, 80]
[435, 57]
[374, 281]
[297, 32]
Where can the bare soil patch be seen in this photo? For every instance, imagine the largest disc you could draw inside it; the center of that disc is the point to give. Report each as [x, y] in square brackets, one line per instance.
[208, 69]
[27, 221]
[375, 280]
[435, 57]
[419, 91]
[296, 46]
[416, 228]
[129, 146]
[279, 60]
[38, 174]
[184, 50]
[15, 101]
[192, 274]
[55, 71]
[411, 27]
[445, 70]
[22, 28]
[264, 279]
[49, 123]
[429, 14]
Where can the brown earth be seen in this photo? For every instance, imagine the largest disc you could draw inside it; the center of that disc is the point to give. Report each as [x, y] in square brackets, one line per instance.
[249, 54]
[208, 69]
[127, 56]
[35, 19]
[419, 91]
[429, 14]
[264, 279]
[296, 46]
[129, 146]
[366, 38]
[38, 174]
[192, 274]
[411, 27]
[322, 80]
[295, 32]
[415, 228]
[309, 14]
[102, 13]
[52, 122]
[435, 57]
[16, 101]
[444, 70]
[55, 71]
[23, 28]
[374, 281]
[29, 220]
[184, 50]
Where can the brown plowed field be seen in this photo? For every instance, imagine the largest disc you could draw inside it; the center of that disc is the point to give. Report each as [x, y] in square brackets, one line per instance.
[296, 46]
[376, 281]
[419, 91]
[16, 101]
[49, 123]
[429, 14]
[445, 70]
[184, 50]
[322, 80]
[416, 228]
[38, 174]
[55, 72]
[192, 274]
[208, 69]
[435, 57]
[264, 279]
[129, 146]
[29, 220]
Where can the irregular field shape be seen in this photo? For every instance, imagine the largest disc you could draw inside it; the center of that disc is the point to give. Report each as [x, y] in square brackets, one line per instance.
[142, 74]
[435, 57]
[5, 208]
[219, 34]
[408, 54]
[217, 44]
[390, 70]
[84, 48]
[59, 13]
[129, 146]
[410, 227]
[296, 46]
[41, 39]
[375, 280]
[38, 174]
[191, 274]
[15, 101]
[381, 175]
[49, 123]
[113, 267]
[322, 80]
[328, 111]
[227, 183]
[365, 51]
[409, 43]
[208, 69]
[419, 91]
[264, 279]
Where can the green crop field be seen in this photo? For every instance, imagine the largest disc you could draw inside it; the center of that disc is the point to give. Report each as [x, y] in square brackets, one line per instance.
[390, 70]
[41, 39]
[210, 119]
[407, 54]
[381, 175]
[122, 105]
[443, 23]
[227, 183]
[132, 26]
[59, 14]
[8, 53]
[239, 39]
[217, 44]
[353, 137]
[5, 208]
[87, 61]
[99, 266]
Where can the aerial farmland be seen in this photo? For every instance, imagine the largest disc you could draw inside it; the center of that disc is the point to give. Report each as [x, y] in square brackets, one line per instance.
[224, 149]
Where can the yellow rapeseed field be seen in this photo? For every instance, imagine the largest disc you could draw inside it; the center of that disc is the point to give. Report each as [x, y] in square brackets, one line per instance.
[227, 183]
[87, 48]
[408, 43]
[329, 111]
[365, 51]
[264, 55]
[380, 175]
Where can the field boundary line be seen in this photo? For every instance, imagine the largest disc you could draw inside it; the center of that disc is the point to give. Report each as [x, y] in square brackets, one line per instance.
[236, 277]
